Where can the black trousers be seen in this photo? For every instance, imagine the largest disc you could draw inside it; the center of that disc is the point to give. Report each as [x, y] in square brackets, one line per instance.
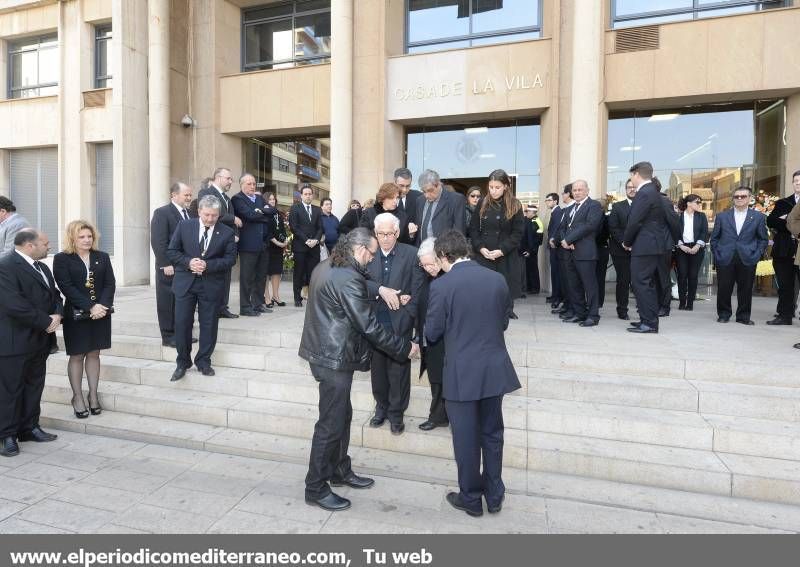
[602, 268]
[688, 272]
[664, 281]
[555, 277]
[391, 386]
[252, 278]
[329, 458]
[226, 296]
[622, 265]
[564, 279]
[165, 304]
[787, 275]
[644, 274]
[304, 264]
[478, 433]
[582, 278]
[533, 284]
[741, 275]
[21, 385]
[207, 304]
[433, 358]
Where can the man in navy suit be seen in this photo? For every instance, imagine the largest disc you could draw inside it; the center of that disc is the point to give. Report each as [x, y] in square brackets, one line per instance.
[551, 201]
[203, 251]
[162, 227]
[578, 238]
[469, 306]
[305, 221]
[617, 223]
[738, 242]
[257, 218]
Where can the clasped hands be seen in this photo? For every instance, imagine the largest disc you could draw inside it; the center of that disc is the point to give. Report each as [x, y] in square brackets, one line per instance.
[311, 242]
[693, 250]
[55, 321]
[491, 254]
[98, 311]
[393, 297]
[197, 266]
[567, 246]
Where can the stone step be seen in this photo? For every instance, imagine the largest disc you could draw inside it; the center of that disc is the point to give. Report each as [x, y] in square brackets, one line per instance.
[747, 400]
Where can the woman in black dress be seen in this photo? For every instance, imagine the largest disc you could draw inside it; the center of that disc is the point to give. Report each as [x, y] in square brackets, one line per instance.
[86, 279]
[496, 231]
[386, 202]
[277, 246]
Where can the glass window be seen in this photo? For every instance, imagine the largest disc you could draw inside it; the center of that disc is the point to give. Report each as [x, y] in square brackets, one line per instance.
[33, 67]
[286, 35]
[102, 62]
[626, 13]
[444, 24]
[465, 155]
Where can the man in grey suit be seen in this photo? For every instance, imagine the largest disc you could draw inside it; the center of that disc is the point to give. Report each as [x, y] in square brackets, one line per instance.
[440, 210]
[11, 222]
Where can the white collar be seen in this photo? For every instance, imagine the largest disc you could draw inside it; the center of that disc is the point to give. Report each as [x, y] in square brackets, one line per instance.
[27, 258]
[642, 184]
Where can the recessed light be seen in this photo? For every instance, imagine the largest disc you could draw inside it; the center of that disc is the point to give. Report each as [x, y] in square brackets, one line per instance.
[662, 117]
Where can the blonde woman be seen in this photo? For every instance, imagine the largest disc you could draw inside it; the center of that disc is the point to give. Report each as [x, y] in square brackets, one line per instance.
[86, 279]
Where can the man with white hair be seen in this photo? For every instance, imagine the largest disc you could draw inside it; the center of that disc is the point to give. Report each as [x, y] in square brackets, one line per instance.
[395, 280]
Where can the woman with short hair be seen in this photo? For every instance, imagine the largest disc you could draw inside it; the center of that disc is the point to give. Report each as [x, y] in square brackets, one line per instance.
[690, 249]
[386, 201]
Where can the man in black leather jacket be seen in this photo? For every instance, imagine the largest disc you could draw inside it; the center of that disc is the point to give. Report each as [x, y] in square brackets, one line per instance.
[339, 333]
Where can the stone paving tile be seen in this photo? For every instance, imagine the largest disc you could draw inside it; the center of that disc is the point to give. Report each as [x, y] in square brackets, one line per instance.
[237, 467]
[47, 474]
[405, 492]
[59, 514]
[23, 458]
[25, 491]
[268, 501]
[180, 454]
[9, 508]
[17, 526]
[590, 518]
[215, 484]
[241, 522]
[96, 496]
[147, 465]
[164, 521]
[682, 525]
[74, 460]
[133, 481]
[192, 501]
[115, 529]
[105, 446]
[343, 524]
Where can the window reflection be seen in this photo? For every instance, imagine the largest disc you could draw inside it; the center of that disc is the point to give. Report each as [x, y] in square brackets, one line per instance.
[626, 13]
[33, 67]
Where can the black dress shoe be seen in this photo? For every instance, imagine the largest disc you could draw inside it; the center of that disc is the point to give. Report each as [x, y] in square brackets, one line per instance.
[796, 345]
[523, 296]
[555, 310]
[207, 371]
[566, 315]
[549, 298]
[635, 324]
[377, 420]
[353, 481]
[574, 319]
[397, 428]
[428, 425]
[497, 508]
[226, 314]
[263, 308]
[642, 329]
[747, 322]
[454, 499]
[54, 349]
[9, 447]
[279, 303]
[779, 321]
[663, 312]
[723, 319]
[298, 303]
[37, 434]
[332, 502]
[588, 323]
[513, 316]
[249, 313]
[169, 343]
[690, 308]
[179, 373]
[194, 340]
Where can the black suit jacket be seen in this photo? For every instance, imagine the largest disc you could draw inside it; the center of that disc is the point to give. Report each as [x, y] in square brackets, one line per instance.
[784, 245]
[220, 256]
[407, 276]
[617, 222]
[257, 227]
[647, 228]
[303, 228]
[410, 208]
[699, 228]
[162, 226]
[70, 273]
[582, 229]
[350, 220]
[449, 214]
[226, 215]
[477, 364]
[26, 306]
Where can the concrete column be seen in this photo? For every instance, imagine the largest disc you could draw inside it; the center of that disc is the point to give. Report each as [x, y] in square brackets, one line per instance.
[586, 96]
[792, 156]
[341, 184]
[5, 174]
[158, 99]
[131, 158]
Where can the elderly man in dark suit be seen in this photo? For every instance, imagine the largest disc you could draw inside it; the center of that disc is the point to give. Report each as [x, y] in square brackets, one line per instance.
[565, 311]
[220, 184]
[578, 238]
[162, 227]
[470, 305]
[645, 236]
[551, 202]
[30, 313]
[257, 218]
[439, 210]
[305, 221]
[784, 249]
[621, 258]
[202, 250]
[395, 279]
[738, 242]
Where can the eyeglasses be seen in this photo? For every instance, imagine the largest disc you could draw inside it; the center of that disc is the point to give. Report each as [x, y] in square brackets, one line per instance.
[371, 253]
[386, 234]
[741, 196]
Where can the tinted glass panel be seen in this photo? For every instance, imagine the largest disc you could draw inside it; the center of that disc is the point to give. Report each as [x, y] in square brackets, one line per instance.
[307, 5]
[439, 46]
[48, 66]
[313, 35]
[268, 12]
[630, 7]
[433, 19]
[495, 15]
[505, 38]
[269, 41]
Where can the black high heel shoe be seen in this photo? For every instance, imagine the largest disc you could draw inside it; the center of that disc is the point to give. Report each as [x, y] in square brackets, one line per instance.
[79, 414]
[95, 410]
[279, 303]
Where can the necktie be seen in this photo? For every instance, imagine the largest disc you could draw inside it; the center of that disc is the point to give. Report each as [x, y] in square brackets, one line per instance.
[204, 242]
[308, 210]
[38, 266]
[426, 219]
[185, 215]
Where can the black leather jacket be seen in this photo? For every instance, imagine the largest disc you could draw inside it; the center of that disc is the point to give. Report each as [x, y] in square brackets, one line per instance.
[340, 322]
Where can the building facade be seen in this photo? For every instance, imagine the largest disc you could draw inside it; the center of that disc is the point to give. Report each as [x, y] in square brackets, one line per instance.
[107, 102]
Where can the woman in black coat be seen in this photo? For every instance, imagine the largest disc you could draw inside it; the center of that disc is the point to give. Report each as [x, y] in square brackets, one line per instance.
[386, 202]
[691, 249]
[277, 245]
[351, 218]
[496, 230]
[86, 279]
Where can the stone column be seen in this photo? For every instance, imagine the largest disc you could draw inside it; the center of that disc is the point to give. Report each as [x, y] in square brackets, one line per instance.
[586, 95]
[158, 100]
[341, 184]
[5, 174]
[792, 156]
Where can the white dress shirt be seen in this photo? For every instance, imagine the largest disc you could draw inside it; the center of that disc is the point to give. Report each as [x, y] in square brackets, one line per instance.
[32, 264]
[181, 210]
[739, 217]
[210, 234]
[688, 228]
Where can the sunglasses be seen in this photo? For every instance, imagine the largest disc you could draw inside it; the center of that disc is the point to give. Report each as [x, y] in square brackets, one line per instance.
[741, 196]
[475, 196]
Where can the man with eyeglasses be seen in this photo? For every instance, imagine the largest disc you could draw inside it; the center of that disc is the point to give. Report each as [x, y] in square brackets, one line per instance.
[395, 281]
[340, 331]
[738, 242]
[551, 202]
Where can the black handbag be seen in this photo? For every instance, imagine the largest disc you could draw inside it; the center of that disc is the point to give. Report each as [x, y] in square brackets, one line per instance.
[84, 314]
